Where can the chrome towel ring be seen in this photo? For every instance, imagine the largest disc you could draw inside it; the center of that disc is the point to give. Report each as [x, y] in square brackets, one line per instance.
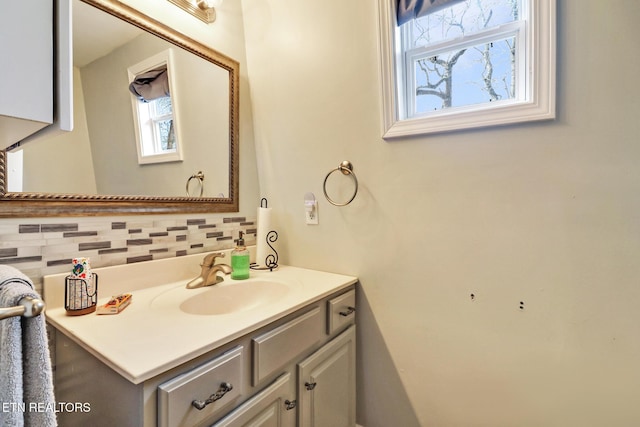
[200, 177]
[347, 169]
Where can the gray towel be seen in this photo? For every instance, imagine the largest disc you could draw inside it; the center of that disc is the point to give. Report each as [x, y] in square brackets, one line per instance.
[26, 380]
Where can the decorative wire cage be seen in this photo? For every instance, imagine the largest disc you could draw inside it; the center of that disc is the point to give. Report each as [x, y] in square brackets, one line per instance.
[80, 295]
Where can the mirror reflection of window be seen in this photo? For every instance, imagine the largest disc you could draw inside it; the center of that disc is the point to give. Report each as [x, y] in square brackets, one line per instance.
[154, 110]
[156, 125]
[163, 118]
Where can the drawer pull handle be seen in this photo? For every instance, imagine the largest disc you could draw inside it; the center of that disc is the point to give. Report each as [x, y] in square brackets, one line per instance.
[224, 389]
[349, 311]
[310, 386]
[290, 404]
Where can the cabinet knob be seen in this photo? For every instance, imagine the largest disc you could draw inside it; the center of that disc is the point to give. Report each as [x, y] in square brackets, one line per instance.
[225, 387]
[310, 386]
[350, 310]
[290, 404]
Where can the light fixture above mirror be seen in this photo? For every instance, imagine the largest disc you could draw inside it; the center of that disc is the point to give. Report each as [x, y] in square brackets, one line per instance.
[201, 9]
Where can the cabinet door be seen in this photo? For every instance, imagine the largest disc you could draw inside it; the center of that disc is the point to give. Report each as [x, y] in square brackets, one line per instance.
[327, 386]
[26, 84]
[35, 39]
[269, 408]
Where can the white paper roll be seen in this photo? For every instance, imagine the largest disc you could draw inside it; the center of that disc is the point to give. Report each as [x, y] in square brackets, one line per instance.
[82, 285]
[264, 226]
[81, 268]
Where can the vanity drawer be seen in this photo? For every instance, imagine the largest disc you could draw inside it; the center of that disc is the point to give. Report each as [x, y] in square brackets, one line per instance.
[276, 348]
[214, 386]
[341, 311]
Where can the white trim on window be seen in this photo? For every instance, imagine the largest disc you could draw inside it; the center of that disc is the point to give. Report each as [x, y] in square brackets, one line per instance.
[513, 29]
[540, 81]
[145, 129]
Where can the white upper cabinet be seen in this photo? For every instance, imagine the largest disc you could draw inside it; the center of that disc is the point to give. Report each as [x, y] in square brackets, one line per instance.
[35, 64]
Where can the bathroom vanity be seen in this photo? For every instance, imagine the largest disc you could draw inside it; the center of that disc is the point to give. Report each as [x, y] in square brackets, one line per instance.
[277, 349]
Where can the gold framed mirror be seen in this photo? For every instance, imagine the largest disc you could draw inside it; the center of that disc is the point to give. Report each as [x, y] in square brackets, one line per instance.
[60, 203]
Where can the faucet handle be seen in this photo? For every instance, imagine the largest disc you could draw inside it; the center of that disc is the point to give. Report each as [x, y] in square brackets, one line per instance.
[210, 259]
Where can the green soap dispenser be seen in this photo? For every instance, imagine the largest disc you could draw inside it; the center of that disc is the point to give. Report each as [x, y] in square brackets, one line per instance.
[240, 260]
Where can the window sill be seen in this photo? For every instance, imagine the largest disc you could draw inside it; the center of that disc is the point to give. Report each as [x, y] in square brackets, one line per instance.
[446, 121]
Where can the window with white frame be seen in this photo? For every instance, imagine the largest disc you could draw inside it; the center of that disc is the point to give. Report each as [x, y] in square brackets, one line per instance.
[474, 63]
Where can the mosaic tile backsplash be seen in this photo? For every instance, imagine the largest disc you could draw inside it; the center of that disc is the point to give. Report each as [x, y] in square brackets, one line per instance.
[39, 249]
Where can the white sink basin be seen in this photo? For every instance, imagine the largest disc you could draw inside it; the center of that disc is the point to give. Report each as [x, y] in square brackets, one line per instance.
[230, 296]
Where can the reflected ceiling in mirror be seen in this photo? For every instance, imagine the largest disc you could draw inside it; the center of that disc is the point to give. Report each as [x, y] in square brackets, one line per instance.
[94, 170]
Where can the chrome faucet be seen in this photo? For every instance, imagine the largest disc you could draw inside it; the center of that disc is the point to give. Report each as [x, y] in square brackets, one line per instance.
[209, 274]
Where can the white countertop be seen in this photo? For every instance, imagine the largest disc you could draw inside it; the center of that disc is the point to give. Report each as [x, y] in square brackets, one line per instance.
[152, 335]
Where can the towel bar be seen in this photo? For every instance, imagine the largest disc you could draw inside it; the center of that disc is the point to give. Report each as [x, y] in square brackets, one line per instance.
[27, 307]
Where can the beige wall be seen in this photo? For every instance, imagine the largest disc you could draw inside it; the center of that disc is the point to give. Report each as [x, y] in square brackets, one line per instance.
[66, 153]
[547, 214]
